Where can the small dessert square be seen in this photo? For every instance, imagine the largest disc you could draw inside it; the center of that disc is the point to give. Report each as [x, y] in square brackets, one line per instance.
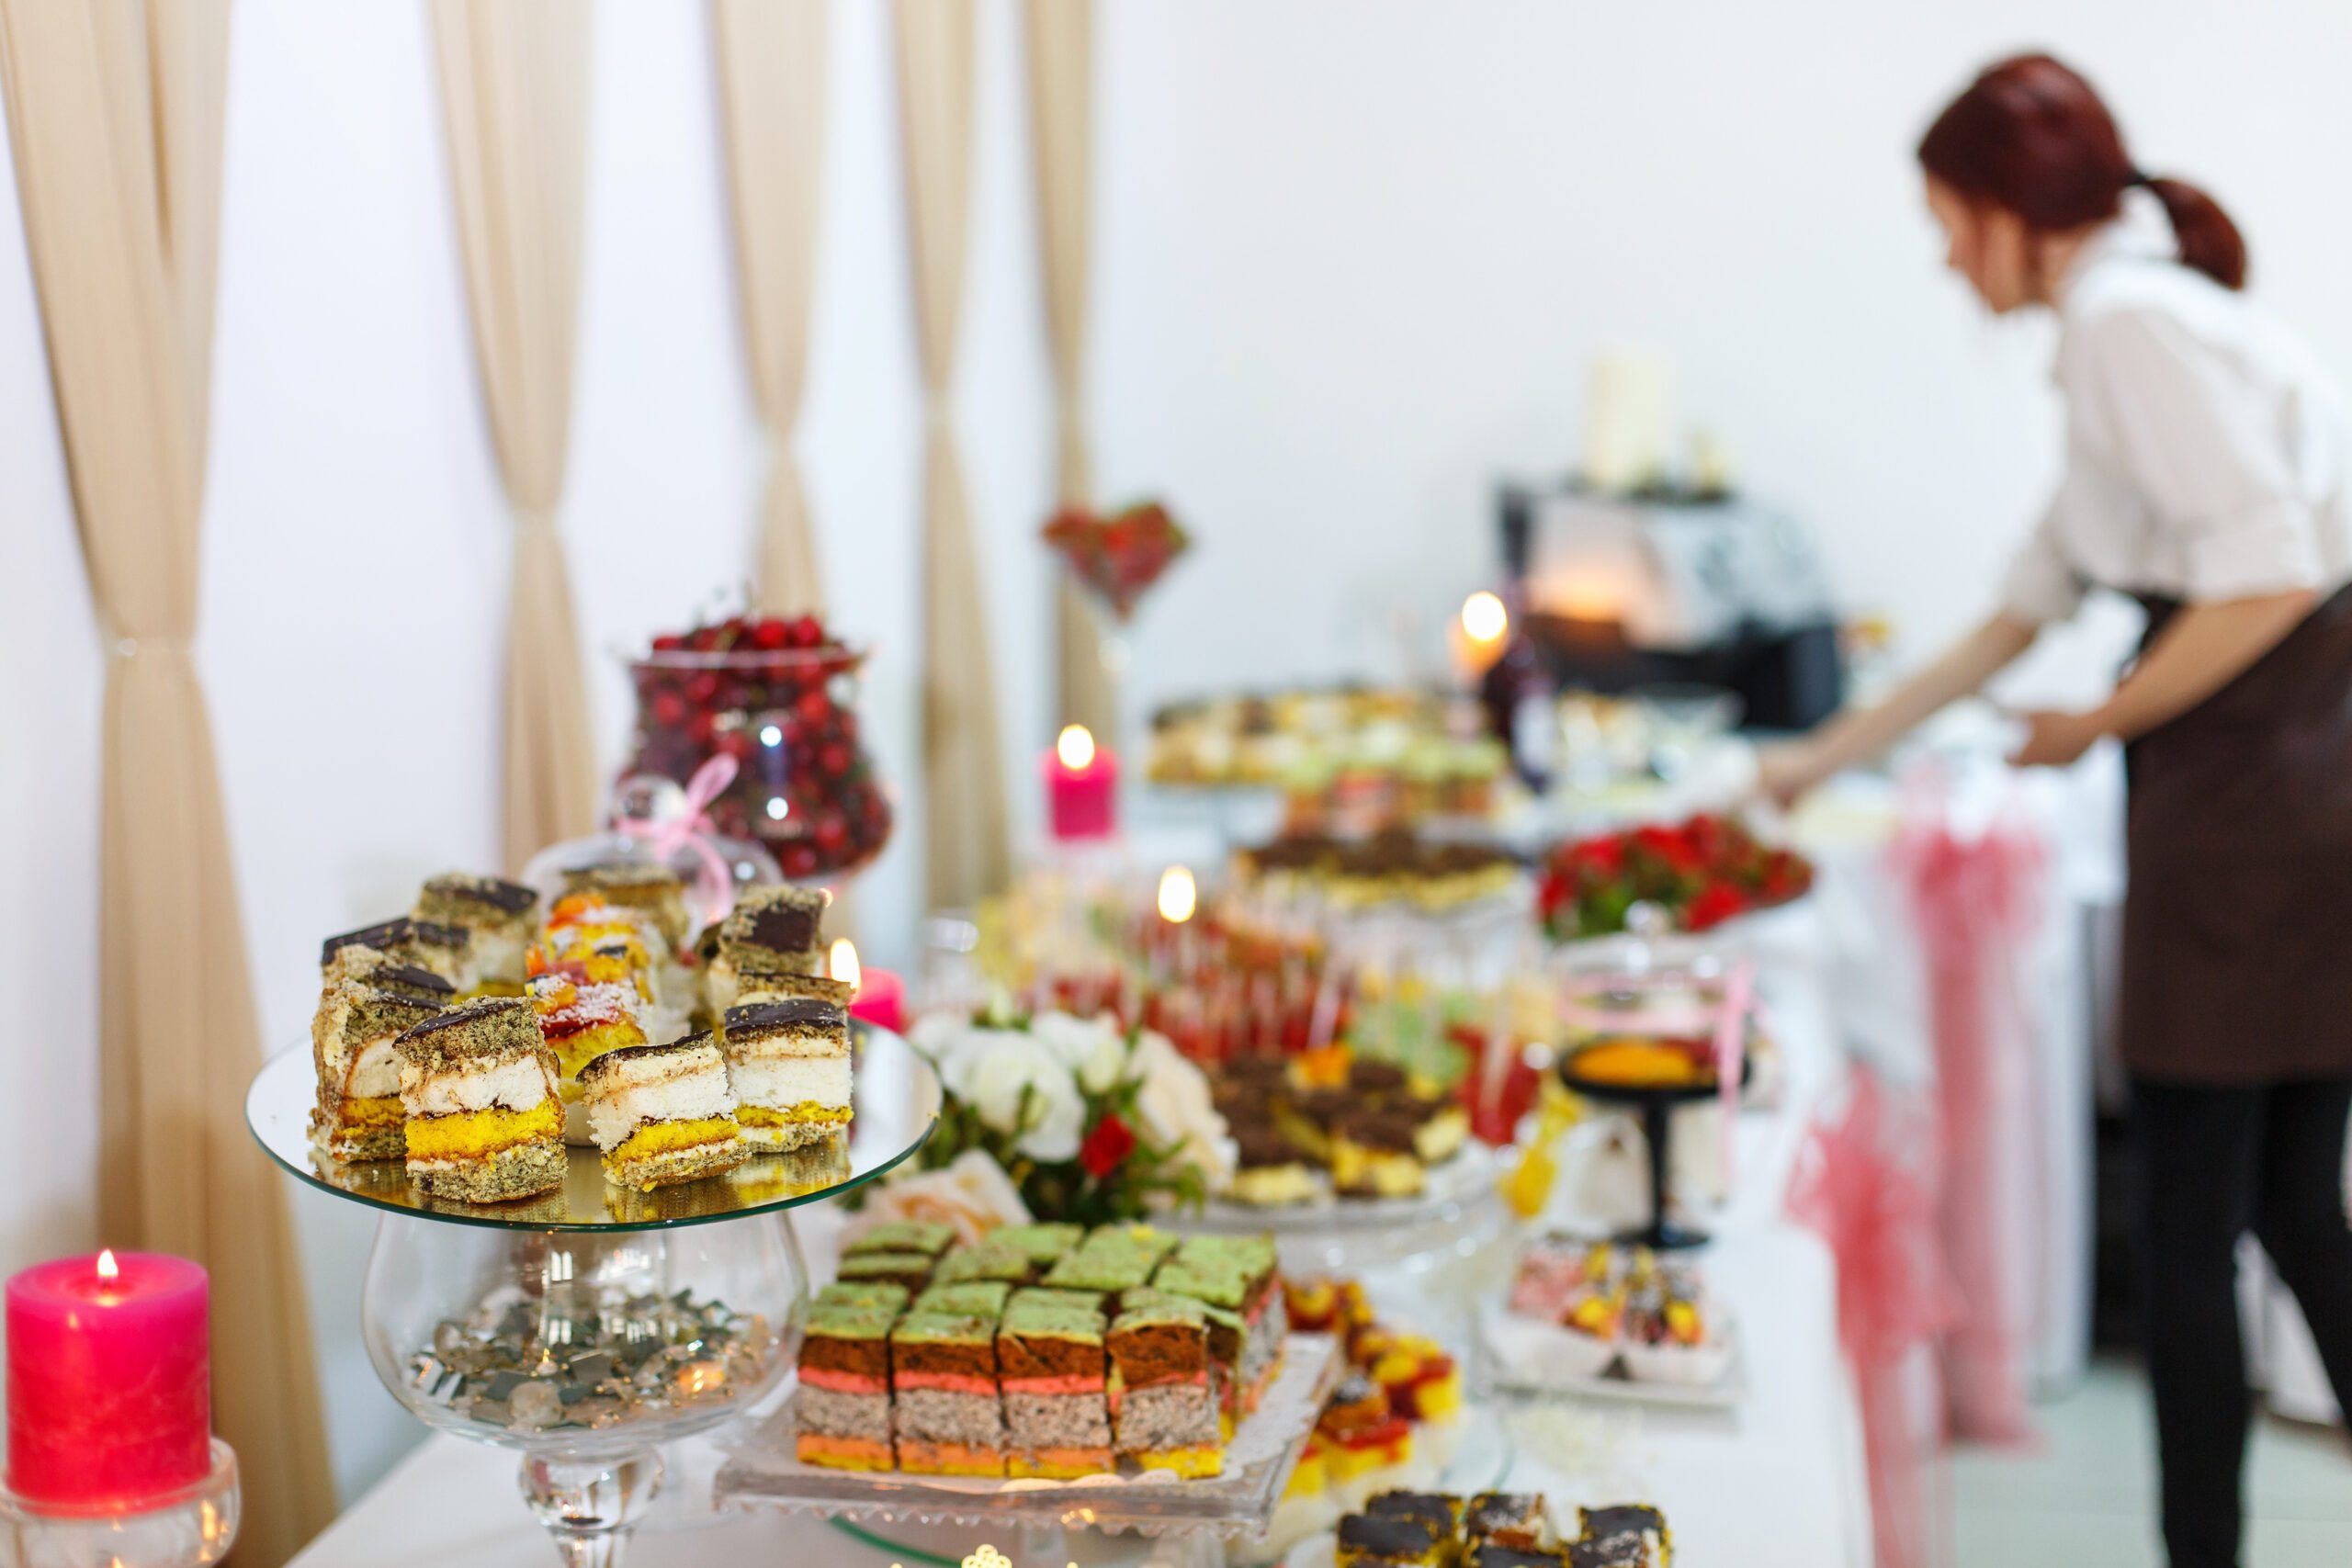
[1632, 1533]
[946, 1417]
[1441, 1125]
[654, 890]
[909, 1272]
[478, 1088]
[992, 1259]
[445, 950]
[1103, 1272]
[1053, 1370]
[864, 1292]
[1373, 1540]
[662, 1114]
[928, 1237]
[789, 1063]
[1240, 1274]
[1228, 1339]
[1268, 1170]
[1517, 1519]
[1164, 1399]
[843, 1405]
[968, 1297]
[1442, 1510]
[362, 1013]
[1044, 1245]
[497, 913]
[771, 931]
[1495, 1555]
[583, 1019]
[1374, 1155]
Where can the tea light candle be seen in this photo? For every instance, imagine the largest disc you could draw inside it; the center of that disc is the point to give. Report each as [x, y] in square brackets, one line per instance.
[880, 997]
[109, 1379]
[1082, 786]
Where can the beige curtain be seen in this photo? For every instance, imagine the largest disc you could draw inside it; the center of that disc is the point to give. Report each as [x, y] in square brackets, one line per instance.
[515, 89]
[115, 114]
[1061, 111]
[772, 88]
[964, 806]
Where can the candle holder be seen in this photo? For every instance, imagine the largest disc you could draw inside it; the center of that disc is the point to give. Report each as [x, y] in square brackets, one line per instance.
[586, 1327]
[187, 1529]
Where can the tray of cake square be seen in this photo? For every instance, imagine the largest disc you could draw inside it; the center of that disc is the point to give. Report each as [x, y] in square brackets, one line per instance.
[585, 1058]
[1489, 1530]
[1120, 1378]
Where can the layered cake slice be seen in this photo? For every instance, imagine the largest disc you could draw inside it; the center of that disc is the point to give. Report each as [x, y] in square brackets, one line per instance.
[1053, 1367]
[1238, 1274]
[1163, 1399]
[843, 1405]
[428, 944]
[496, 913]
[872, 1292]
[581, 1020]
[1043, 1245]
[368, 1003]
[1392, 1540]
[789, 1063]
[1375, 1154]
[945, 1415]
[656, 891]
[1226, 1338]
[907, 1271]
[991, 1261]
[927, 1238]
[477, 1089]
[1633, 1534]
[772, 931]
[969, 1298]
[662, 1114]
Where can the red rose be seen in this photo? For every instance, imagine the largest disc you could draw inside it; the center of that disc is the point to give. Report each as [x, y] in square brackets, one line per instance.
[1105, 1146]
[1715, 904]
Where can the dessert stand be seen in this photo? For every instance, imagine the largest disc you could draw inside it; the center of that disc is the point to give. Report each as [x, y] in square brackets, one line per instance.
[1445, 1220]
[586, 1327]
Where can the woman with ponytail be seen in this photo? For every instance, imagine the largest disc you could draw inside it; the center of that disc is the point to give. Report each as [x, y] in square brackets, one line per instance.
[2208, 473]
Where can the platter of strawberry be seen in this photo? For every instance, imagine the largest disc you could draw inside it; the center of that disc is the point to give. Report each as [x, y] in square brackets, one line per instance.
[779, 694]
[1697, 874]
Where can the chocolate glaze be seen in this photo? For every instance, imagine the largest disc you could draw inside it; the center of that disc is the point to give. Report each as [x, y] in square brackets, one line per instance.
[784, 928]
[640, 1053]
[511, 897]
[791, 1010]
[392, 934]
[472, 1012]
[1405, 1538]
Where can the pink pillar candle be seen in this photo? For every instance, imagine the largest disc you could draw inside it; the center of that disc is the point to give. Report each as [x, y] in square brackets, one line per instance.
[1081, 788]
[109, 1379]
[881, 1001]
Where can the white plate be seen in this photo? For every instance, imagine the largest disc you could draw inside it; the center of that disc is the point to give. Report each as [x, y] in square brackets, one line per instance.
[1516, 1357]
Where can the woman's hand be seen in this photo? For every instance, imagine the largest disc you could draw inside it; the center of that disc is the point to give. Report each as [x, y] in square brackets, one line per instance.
[2055, 739]
[1788, 769]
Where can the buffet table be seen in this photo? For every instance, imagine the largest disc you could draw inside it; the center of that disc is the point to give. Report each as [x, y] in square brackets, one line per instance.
[1790, 1452]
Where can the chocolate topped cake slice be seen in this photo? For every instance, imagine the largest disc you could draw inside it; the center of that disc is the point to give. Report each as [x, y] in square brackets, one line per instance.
[663, 1114]
[1495, 1555]
[1374, 1540]
[945, 1416]
[1269, 1170]
[1376, 1154]
[790, 1061]
[498, 914]
[445, 950]
[1163, 1395]
[772, 931]
[1053, 1370]
[1632, 1533]
[478, 1088]
[1442, 1510]
[843, 1405]
[362, 1012]
[1516, 1519]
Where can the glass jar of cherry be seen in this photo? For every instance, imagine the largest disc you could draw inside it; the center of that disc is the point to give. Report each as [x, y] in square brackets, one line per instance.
[780, 695]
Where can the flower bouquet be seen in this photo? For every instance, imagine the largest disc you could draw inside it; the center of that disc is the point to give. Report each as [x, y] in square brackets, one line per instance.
[1092, 1122]
[1120, 555]
[1699, 873]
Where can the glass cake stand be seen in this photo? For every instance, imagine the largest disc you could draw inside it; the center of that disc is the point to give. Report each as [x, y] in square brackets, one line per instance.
[586, 1328]
[1437, 1227]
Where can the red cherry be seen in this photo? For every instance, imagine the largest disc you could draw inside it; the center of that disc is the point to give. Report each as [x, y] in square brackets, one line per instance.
[846, 726]
[808, 632]
[771, 634]
[832, 831]
[703, 686]
[799, 860]
[815, 707]
[669, 642]
[699, 728]
[833, 760]
[669, 709]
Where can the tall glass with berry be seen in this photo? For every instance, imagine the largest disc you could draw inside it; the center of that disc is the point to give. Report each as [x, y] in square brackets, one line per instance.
[780, 696]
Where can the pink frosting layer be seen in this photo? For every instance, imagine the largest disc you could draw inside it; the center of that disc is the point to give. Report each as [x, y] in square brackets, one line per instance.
[1071, 1383]
[840, 1381]
[951, 1383]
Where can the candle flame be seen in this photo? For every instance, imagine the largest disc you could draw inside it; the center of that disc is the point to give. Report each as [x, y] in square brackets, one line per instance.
[1075, 748]
[1178, 895]
[1484, 619]
[842, 963]
[107, 1267]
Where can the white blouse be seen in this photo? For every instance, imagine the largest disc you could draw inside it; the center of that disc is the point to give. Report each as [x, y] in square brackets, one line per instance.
[2207, 448]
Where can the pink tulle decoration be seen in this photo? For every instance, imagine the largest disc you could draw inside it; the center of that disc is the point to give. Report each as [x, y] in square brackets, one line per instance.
[1977, 902]
[1864, 1180]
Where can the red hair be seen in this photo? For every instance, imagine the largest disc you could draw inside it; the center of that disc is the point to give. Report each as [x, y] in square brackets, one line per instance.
[2030, 135]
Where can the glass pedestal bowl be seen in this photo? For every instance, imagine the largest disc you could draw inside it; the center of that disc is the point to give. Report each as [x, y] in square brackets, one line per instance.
[583, 1350]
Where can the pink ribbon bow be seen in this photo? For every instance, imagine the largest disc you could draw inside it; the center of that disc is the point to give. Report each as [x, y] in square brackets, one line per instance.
[692, 830]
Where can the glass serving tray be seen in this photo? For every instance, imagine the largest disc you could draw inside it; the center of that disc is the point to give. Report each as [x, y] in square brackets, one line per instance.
[763, 1473]
[894, 1100]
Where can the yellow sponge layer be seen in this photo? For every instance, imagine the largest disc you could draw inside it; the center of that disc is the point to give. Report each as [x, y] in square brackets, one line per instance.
[375, 1111]
[1192, 1463]
[805, 1111]
[661, 1137]
[481, 1133]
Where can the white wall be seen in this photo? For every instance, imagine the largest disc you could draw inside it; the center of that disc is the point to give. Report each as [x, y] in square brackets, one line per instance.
[1351, 260]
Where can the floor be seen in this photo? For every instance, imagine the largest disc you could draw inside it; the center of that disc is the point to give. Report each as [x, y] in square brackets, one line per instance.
[2086, 1499]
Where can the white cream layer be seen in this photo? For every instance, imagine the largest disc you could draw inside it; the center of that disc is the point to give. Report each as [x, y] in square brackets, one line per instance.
[615, 1108]
[377, 1072]
[517, 1085]
[781, 1082]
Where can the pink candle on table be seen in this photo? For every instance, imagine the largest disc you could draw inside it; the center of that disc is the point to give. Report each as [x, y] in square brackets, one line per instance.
[879, 997]
[109, 1378]
[1082, 786]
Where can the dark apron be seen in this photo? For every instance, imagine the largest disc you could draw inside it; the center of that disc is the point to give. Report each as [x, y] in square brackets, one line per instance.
[2237, 921]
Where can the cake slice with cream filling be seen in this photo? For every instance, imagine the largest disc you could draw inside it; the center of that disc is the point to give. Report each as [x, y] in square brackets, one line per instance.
[369, 1002]
[663, 1114]
[445, 950]
[478, 1087]
[772, 931]
[788, 1064]
[496, 913]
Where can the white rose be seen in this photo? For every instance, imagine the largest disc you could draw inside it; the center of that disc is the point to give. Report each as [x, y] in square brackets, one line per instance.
[1176, 1106]
[936, 1033]
[1021, 1091]
[1106, 1063]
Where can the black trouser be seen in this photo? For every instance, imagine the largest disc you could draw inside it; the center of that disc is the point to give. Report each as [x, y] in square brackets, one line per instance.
[2215, 1163]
